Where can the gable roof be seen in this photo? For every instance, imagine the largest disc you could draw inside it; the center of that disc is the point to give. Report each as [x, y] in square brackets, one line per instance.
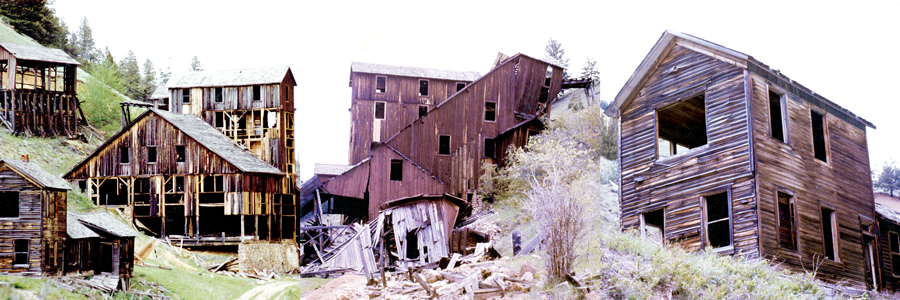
[233, 77]
[360, 67]
[160, 92]
[76, 230]
[668, 40]
[204, 134]
[102, 221]
[36, 174]
[38, 53]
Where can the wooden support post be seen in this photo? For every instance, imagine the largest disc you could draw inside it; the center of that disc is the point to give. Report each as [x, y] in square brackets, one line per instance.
[242, 228]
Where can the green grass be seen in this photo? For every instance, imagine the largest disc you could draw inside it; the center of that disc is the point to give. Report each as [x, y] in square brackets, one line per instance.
[40, 288]
[186, 284]
[306, 285]
[8, 34]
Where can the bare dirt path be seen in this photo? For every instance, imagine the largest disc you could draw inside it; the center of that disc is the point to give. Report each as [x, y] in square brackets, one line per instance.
[268, 290]
[345, 287]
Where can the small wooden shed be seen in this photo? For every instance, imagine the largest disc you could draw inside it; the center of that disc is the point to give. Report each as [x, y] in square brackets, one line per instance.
[421, 227]
[32, 219]
[98, 244]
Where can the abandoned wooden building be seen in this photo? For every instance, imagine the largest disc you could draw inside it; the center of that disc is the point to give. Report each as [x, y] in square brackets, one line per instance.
[32, 219]
[442, 151]
[100, 245]
[887, 209]
[37, 91]
[182, 178]
[387, 98]
[720, 151]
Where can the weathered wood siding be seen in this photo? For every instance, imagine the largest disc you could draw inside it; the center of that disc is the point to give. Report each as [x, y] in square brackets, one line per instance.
[402, 101]
[676, 183]
[843, 183]
[383, 189]
[38, 111]
[889, 281]
[41, 221]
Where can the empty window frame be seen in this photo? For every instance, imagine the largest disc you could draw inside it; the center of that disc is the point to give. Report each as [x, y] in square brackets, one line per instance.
[460, 86]
[179, 153]
[185, 96]
[423, 110]
[681, 126]
[490, 111]
[379, 110]
[214, 183]
[829, 234]
[20, 250]
[818, 133]
[652, 225]
[380, 84]
[777, 116]
[717, 220]
[423, 87]
[894, 240]
[444, 144]
[151, 154]
[396, 170]
[489, 148]
[9, 204]
[218, 95]
[257, 93]
[787, 229]
[124, 155]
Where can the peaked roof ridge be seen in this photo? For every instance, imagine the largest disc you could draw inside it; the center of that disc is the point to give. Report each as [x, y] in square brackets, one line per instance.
[37, 174]
[39, 53]
[233, 77]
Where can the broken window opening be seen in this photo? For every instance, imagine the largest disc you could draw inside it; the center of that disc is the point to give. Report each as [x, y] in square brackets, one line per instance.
[423, 110]
[718, 220]
[124, 153]
[82, 185]
[179, 184]
[787, 232]
[219, 97]
[489, 148]
[151, 154]
[257, 93]
[895, 252]
[379, 110]
[490, 113]
[777, 116]
[412, 245]
[220, 119]
[423, 87]
[653, 226]
[460, 86]
[444, 145]
[179, 153]
[21, 252]
[9, 204]
[681, 124]
[186, 96]
[818, 131]
[380, 84]
[829, 234]
[396, 170]
[213, 183]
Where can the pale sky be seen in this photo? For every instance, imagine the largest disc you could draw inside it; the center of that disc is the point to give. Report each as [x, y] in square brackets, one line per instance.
[844, 52]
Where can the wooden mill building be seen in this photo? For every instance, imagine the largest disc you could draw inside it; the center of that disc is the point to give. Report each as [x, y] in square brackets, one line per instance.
[184, 179]
[386, 98]
[720, 151]
[32, 219]
[442, 150]
[37, 90]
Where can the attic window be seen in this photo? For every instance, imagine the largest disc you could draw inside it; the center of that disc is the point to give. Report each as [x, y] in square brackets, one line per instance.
[423, 110]
[257, 93]
[124, 153]
[490, 113]
[777, 120]
[151, 154]
[460, 86]
[179, 153]
[489, 148]
[717, 221]
[423, 87]
[818, 131]
[9, 204]
[380, 83]
[396, 170]
[444, 144]
[681, 126]
[186, 96]
[379, 110]
[218, 95]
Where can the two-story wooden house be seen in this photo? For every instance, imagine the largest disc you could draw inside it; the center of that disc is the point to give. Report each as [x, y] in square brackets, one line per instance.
[719, 151]
[37, 90]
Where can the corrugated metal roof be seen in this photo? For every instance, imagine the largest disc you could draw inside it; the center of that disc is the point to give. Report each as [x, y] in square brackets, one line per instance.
[36, 173]
[76, 230]
[218, 143]
[328, 169]
[231, 77]
[39, 53]
[413, 72]
[104, 222]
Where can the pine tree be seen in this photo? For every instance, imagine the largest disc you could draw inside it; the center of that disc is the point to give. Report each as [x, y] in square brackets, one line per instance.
[196, 65]
[131, 76]
[590, 70]
[164, 76]
[85, 50]
[889, 179]
[554, 49]
[148, 80]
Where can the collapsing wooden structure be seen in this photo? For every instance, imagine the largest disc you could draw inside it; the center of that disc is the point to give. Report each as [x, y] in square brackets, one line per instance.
[719, 150]
[887, 211]
[32, 219]
[37, 91]
[99, 244]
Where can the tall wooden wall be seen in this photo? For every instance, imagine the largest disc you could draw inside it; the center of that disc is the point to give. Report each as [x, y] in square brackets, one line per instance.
[42, 221]
[843, 183]
[677, 184]
[42, 110]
